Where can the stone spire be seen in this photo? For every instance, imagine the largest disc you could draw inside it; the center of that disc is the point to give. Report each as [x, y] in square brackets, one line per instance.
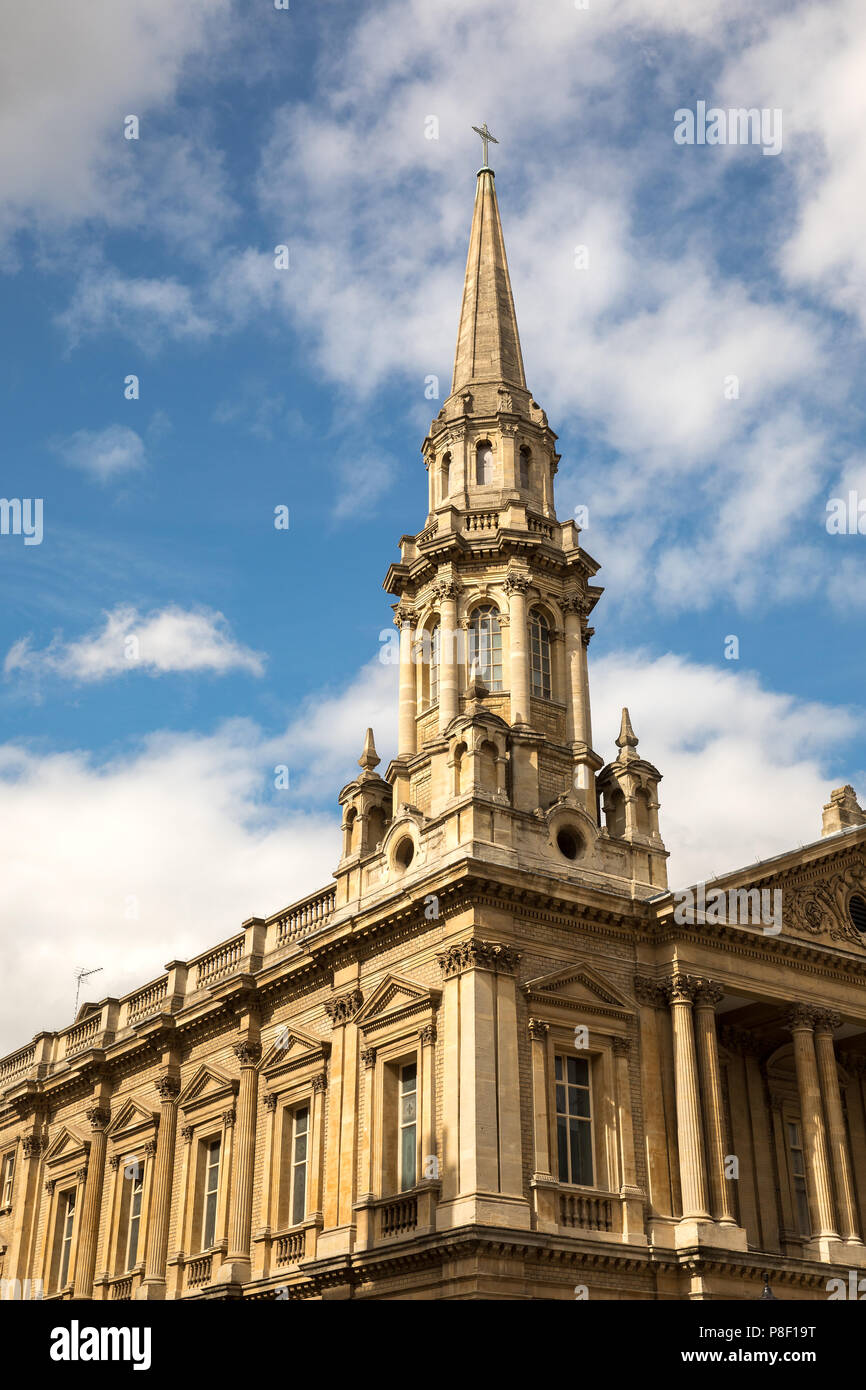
[369, 758]
[627, 741]
[488, 344]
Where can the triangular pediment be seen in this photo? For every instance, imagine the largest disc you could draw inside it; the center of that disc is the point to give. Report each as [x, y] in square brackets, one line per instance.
[291, 1049]
[578, 986]
[67, 1144]
[208, 1084]
[133, 1115]
[394, 997]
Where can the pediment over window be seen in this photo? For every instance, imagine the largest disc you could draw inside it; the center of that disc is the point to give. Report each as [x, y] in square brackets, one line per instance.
[396, 1000]
[291, 1051]
[133, 1117]
[578, 987]
[68, 1145]
[208, 1086]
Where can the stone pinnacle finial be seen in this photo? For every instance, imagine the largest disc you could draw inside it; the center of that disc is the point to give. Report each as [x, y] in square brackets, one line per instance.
[627, 736]
[369, 758]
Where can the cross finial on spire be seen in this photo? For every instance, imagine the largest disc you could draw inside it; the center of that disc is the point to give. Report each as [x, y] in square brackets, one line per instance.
[485, 136]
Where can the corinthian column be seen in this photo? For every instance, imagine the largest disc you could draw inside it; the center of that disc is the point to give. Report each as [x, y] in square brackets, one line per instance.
[405, 620]
[448, 655]
[801, 1022]
[85, 1262]
[236, 1269]
[707, 996]
[153, 1285]
[516, 586]
[825, 1025]
[680, 991]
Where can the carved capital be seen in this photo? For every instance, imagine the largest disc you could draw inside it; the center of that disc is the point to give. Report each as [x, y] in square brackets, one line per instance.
[800, 1017]
[538, 1028]
[405, 617]
[516, 584]
[475, 954]
[708, 994]
[150, 1149]
[680, 989]
[32, 1145]
[186, 1133]
[427, 1035]
[343, 1007]
[50, 1185]
[81, 1173]
[320, 1082]
[98, 1116]
[649, 992]
[228, 1118]
[368, 1056]
[270, 1103]
[114, 1162]
[826, 1021]
[248, 1053]
[621, 1047]
[167, 1088]
[447, 589]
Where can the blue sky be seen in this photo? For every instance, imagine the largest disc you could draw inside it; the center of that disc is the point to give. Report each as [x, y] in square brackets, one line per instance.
[141, 820]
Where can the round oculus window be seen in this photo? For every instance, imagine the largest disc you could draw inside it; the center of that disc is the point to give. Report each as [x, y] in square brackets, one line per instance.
[404, 853]
[568, 843]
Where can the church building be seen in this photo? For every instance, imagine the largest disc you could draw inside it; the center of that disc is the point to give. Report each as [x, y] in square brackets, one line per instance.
[496, 1057]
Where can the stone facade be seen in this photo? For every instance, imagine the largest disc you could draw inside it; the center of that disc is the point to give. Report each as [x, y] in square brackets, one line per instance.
[496, 1057]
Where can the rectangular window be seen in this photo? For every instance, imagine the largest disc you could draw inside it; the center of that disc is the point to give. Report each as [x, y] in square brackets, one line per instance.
[7, 1180]
[798, 1176]
[435, 637]
[211, 1192]
[137, 1180]
[573, 1120]
[408, 1126]
[300, 1149]
[67, 1226]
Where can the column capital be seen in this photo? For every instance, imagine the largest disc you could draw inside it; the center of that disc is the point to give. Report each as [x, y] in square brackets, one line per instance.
[708, 994]
[167, 1088]
[827, 1021]
[621, 1047]
[98, 1116]
[320, 1082]
[32, 1145]
[427, 1035]
[680, 989]
[800, 1018]
[186, 1133]
[445, 589]
[538, 1029]
[343, 1007]
[475, 954]
[368, 1056]
[228, 1118]
[405, 617]
[270, 1102]
[516, 583]
[248, 1052]
[649, 992]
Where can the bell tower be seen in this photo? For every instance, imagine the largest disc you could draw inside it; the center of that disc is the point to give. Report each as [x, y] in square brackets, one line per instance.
[494, 597]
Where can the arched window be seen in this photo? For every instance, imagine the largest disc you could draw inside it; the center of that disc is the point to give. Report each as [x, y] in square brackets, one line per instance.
[523, 468]
[539, 647]
[445, 478]
[485, 646]
[484, 463]
[435, 646]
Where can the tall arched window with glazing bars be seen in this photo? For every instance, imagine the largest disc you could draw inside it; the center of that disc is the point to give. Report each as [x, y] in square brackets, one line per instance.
[539, 650]
[485, 646]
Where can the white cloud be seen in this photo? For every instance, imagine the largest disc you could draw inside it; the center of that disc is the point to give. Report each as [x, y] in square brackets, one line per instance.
[167, 640]
[70, 74]
[144, 309]
[104, 454]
